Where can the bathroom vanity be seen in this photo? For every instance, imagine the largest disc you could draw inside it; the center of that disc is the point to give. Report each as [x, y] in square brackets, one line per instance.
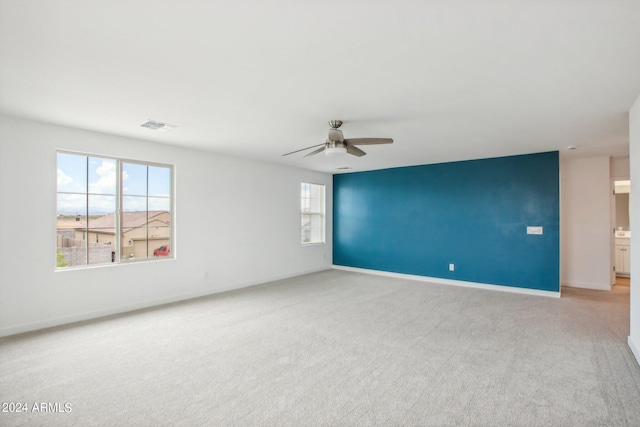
[623, 247]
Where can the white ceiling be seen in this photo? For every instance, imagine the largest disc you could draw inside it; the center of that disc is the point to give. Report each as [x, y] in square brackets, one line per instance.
[448, 80]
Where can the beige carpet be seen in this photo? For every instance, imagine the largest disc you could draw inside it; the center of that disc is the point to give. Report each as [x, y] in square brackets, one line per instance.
[336, 349]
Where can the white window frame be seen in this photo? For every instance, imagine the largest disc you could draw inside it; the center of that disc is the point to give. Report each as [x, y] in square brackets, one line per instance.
[118, 209]
[307, 210]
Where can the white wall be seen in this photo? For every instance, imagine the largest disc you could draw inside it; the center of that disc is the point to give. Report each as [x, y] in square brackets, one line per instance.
[236, 219]
[586, 231]
[634, 147]
[620, 168]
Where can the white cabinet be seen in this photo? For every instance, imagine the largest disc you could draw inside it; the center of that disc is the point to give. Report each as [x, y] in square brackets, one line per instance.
[623, 259]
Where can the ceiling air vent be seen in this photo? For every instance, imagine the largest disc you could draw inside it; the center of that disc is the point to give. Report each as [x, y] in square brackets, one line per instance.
[159, 126]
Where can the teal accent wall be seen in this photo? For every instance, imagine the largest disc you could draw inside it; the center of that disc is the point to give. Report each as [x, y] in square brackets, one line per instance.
[474, 214]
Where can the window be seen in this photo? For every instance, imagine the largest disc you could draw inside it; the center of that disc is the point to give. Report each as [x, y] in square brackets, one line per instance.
[312, 213]
[111, 210]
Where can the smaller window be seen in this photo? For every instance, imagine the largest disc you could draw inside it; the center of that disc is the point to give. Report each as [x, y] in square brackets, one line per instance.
[312, 213]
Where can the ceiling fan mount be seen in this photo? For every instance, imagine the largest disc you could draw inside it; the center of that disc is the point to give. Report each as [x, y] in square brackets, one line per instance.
[335, 124]
[337, 144]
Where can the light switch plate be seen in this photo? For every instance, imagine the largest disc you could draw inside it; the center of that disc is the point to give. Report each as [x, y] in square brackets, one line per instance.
[534, 230]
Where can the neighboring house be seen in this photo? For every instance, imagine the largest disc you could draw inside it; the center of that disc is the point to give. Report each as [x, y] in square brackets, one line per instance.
[66, 226]
[143, 231]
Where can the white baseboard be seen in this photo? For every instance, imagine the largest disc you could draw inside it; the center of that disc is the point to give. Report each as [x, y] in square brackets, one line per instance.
[584, 285]
[453, 282]
[634, 349]
[96, 314]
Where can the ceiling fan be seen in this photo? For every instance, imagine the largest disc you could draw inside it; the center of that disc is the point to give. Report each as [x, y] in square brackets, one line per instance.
[337, 144]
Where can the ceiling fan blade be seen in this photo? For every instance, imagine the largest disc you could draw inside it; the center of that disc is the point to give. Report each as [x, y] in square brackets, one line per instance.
[355, 151]
[368, 141]
[302, 149]
[319, 150]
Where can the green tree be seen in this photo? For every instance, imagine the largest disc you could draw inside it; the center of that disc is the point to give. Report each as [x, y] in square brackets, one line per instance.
[61, 261]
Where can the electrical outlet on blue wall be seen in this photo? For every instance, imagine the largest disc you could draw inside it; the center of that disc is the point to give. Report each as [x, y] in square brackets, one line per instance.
[472, 211]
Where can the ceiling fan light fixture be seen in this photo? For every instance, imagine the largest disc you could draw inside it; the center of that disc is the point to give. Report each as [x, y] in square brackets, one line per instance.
[335, 151]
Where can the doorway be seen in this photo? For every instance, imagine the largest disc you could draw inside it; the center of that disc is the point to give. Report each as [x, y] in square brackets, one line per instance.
[622, 233]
